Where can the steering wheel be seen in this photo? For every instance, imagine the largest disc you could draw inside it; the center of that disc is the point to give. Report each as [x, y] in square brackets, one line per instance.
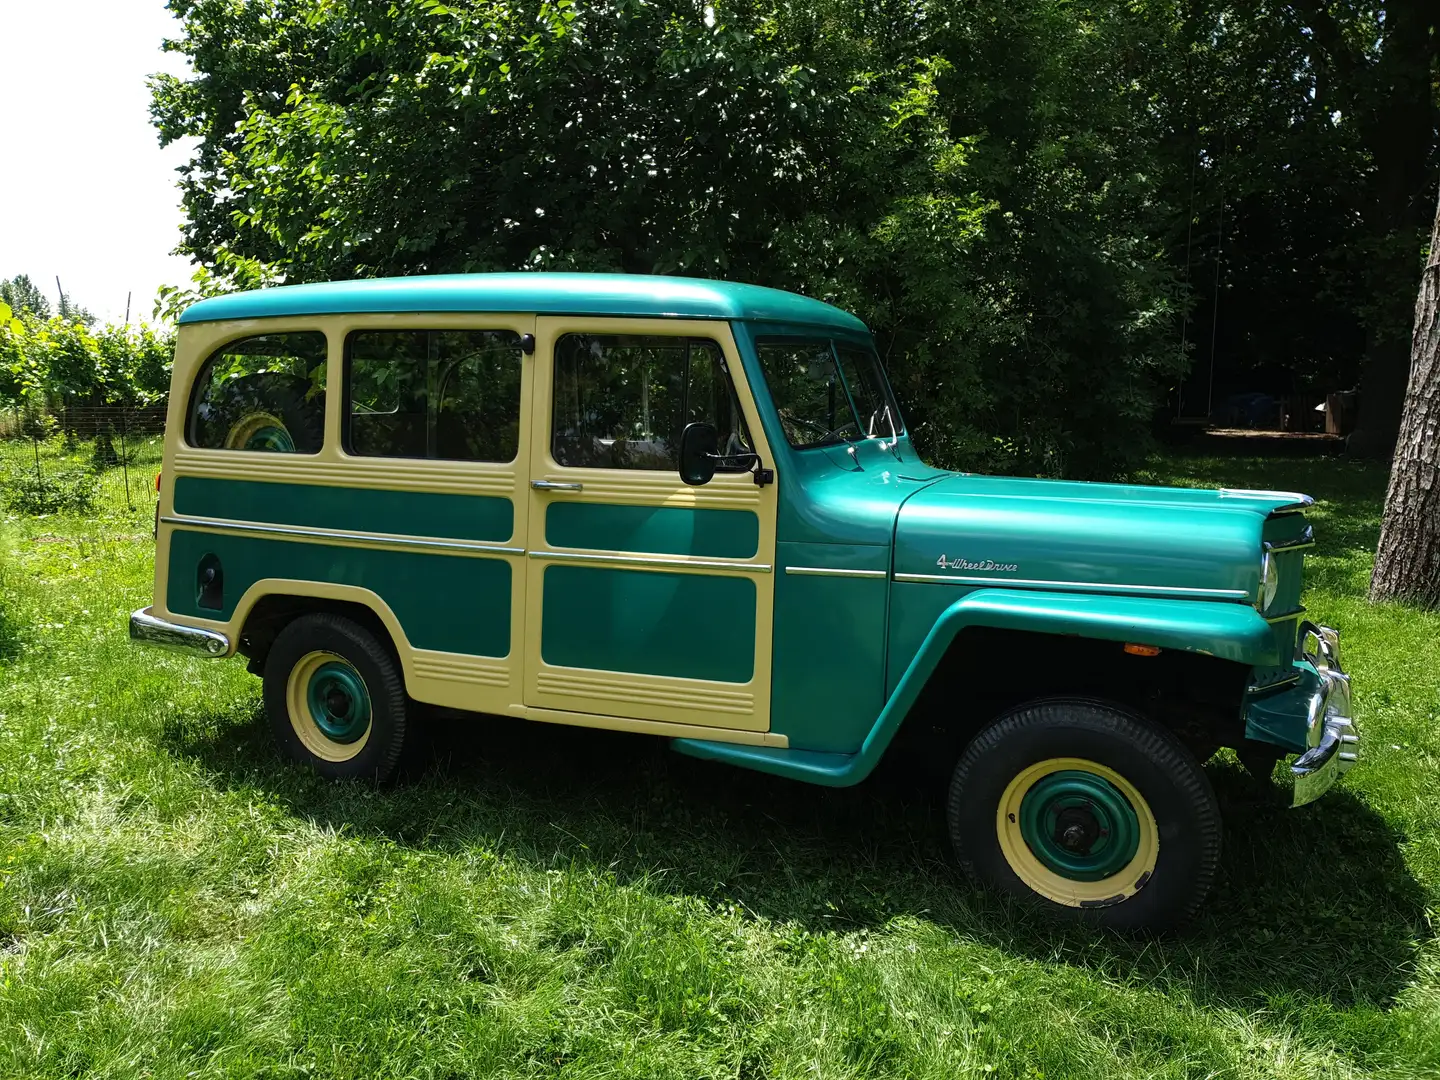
[826, 434]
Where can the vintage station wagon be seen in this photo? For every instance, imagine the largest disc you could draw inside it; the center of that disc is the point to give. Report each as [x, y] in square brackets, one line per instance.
[691, 509]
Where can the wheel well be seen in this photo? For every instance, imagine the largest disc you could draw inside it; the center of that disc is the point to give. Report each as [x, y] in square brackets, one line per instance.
[986, 672]
[273, 613]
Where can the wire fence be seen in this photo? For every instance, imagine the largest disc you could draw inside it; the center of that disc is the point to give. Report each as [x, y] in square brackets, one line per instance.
[54, 444]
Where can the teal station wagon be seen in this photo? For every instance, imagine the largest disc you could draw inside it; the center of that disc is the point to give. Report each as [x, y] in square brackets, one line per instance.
[692, 509]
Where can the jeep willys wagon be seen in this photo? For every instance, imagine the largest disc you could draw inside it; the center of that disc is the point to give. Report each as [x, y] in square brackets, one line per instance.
[691, 509]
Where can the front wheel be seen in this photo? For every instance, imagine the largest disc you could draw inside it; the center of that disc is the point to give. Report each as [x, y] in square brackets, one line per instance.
[1088, 811]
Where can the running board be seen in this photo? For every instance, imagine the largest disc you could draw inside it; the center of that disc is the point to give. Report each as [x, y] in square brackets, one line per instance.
[811, 766]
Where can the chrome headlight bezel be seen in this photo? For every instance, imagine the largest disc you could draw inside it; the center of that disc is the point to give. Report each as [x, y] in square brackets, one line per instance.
[1269, 582]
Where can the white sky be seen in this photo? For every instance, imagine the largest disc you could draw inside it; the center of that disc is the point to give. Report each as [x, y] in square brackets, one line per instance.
[85, 190]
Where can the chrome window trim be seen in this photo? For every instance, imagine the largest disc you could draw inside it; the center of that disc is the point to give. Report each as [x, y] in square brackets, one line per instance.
[330, 534]
[829, 571]
[1079, 586]
[653, 560]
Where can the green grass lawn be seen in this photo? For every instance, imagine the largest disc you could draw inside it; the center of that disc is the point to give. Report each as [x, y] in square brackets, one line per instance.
[175, 901]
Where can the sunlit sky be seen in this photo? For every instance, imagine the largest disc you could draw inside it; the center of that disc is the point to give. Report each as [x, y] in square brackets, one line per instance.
[86, 193]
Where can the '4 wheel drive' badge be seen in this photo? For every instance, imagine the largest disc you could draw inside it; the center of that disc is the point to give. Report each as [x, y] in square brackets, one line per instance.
[947, 563]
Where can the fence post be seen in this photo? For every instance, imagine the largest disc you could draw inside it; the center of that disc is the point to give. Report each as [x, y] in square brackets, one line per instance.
[125, 465]
[35, 442]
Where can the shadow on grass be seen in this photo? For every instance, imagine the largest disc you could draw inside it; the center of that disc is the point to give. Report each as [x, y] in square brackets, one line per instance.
[1312, 905]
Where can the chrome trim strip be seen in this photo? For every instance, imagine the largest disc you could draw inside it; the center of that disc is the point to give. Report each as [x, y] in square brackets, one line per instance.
[1304, 540]
[1298, 501]
[828, 571]
[147, 629]
[1079, 586]
[1289, 680]
[1285, 617]
[654, 560]
[328, 534]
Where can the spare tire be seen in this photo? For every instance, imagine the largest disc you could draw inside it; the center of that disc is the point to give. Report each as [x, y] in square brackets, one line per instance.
[269, 412]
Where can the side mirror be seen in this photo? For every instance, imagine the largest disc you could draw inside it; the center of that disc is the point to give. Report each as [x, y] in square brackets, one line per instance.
[699, 443]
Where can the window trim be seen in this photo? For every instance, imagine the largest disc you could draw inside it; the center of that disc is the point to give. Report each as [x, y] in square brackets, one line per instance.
[347, 403]
[202, 371]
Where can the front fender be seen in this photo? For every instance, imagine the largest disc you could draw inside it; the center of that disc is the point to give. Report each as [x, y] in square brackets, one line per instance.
[1229, 631]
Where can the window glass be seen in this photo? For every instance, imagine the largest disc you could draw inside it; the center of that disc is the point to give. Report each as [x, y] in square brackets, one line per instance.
[621, 402]
[262, 393]
[449, 394]
[861, 367]
[808, 394]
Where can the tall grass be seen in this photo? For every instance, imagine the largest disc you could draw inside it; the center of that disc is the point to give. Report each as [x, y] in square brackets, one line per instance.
[541, 901]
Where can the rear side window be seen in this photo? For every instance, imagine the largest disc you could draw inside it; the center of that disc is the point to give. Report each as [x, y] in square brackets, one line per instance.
[447, 394]
[621, 401]
[264, 393]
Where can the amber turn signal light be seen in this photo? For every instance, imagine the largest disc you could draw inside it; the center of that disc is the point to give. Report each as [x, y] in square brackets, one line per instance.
[1142, 650]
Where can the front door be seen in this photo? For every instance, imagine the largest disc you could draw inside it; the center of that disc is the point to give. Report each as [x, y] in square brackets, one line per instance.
[645, 599]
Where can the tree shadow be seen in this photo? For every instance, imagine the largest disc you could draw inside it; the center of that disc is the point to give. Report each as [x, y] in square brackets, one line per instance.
[1314, 904]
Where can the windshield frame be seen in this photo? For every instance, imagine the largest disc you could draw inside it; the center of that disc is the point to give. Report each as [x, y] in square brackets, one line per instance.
[861, 350]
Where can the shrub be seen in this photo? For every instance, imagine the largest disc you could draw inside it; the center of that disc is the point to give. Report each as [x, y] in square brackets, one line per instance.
[69, 489]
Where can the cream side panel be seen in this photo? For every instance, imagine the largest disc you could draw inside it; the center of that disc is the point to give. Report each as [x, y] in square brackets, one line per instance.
[452, 679]
[708, 705]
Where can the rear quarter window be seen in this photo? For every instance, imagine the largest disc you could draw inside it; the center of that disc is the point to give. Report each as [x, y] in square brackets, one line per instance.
[264, 393]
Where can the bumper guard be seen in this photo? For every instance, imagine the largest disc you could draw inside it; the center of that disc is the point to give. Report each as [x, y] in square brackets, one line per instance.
[1334, 743]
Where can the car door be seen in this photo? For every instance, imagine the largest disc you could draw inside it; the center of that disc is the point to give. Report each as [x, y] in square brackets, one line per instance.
[645, 599]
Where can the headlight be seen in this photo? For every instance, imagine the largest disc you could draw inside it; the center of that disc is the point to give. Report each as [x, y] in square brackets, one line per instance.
[1269, 581]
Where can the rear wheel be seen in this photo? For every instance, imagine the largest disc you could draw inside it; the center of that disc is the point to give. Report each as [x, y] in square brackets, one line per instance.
[1088, 811]
[335, 698]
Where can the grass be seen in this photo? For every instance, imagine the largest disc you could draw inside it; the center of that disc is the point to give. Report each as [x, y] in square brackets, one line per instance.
[544, 901]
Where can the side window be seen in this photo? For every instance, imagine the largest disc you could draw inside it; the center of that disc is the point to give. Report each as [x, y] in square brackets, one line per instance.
[449, 394]
[262, 393]
[808, 394]
[621, 402]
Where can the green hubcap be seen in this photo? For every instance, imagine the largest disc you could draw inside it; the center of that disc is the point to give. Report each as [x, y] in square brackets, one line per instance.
[275, 439]
[339, 702]
[1079, 825]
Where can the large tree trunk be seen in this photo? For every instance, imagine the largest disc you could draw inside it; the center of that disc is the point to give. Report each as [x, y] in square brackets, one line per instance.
[1407, 564]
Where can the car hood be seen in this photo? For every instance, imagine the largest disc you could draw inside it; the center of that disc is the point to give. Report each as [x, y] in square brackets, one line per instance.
[978, 530]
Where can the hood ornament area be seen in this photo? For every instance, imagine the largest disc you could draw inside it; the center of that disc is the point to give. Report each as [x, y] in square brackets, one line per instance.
[960, 563]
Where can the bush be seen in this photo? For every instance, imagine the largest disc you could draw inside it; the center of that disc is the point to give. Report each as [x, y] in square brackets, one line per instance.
[69, 489]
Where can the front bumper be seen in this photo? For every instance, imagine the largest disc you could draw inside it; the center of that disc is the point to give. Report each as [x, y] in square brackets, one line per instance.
[148, 629]
[1334, 743]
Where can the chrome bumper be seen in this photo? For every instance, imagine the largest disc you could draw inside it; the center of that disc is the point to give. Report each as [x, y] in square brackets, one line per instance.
[149, 630]
[1334, 743]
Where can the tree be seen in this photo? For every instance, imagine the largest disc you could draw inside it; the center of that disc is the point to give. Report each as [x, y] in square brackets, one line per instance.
[24, 298]
[1407, 563]
[977, 183]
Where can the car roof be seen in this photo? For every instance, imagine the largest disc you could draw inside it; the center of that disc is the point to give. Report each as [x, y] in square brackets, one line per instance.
[545, 294]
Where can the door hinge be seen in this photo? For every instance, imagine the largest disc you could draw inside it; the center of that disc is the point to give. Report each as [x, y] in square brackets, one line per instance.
[763, 477]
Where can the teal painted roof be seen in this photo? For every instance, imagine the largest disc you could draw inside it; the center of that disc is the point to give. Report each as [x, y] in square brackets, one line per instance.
[546, 294]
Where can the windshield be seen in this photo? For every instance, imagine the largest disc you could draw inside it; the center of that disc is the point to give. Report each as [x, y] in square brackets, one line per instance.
[828, 392]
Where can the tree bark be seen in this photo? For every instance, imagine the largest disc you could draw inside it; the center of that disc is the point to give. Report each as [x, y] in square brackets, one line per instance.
[1407, 563]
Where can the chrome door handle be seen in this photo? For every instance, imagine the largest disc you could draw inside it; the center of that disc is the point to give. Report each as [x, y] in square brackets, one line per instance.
[555, 485]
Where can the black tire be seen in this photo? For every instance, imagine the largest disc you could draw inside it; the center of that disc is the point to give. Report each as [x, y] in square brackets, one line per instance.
[294, 652]
[1157, 894]
[267, 399]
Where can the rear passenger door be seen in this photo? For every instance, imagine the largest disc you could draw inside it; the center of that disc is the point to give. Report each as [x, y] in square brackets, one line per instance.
[646, 599]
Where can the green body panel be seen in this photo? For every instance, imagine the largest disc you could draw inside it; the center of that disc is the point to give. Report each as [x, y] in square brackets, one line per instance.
[1236, 630]
[1104, 538]
[1280, 716]
[636, 295]
[690, 626]
[451, 603]
[656, 530]
[829, 663]
[366, 510]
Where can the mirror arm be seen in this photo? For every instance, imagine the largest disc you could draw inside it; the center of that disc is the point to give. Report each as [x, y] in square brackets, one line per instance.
[749, 457]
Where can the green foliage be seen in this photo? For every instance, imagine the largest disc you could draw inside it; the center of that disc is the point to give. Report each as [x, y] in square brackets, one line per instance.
[58, 362]
[52, 492]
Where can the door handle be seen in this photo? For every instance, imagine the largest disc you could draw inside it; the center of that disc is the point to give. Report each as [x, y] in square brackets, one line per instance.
[555, 485]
